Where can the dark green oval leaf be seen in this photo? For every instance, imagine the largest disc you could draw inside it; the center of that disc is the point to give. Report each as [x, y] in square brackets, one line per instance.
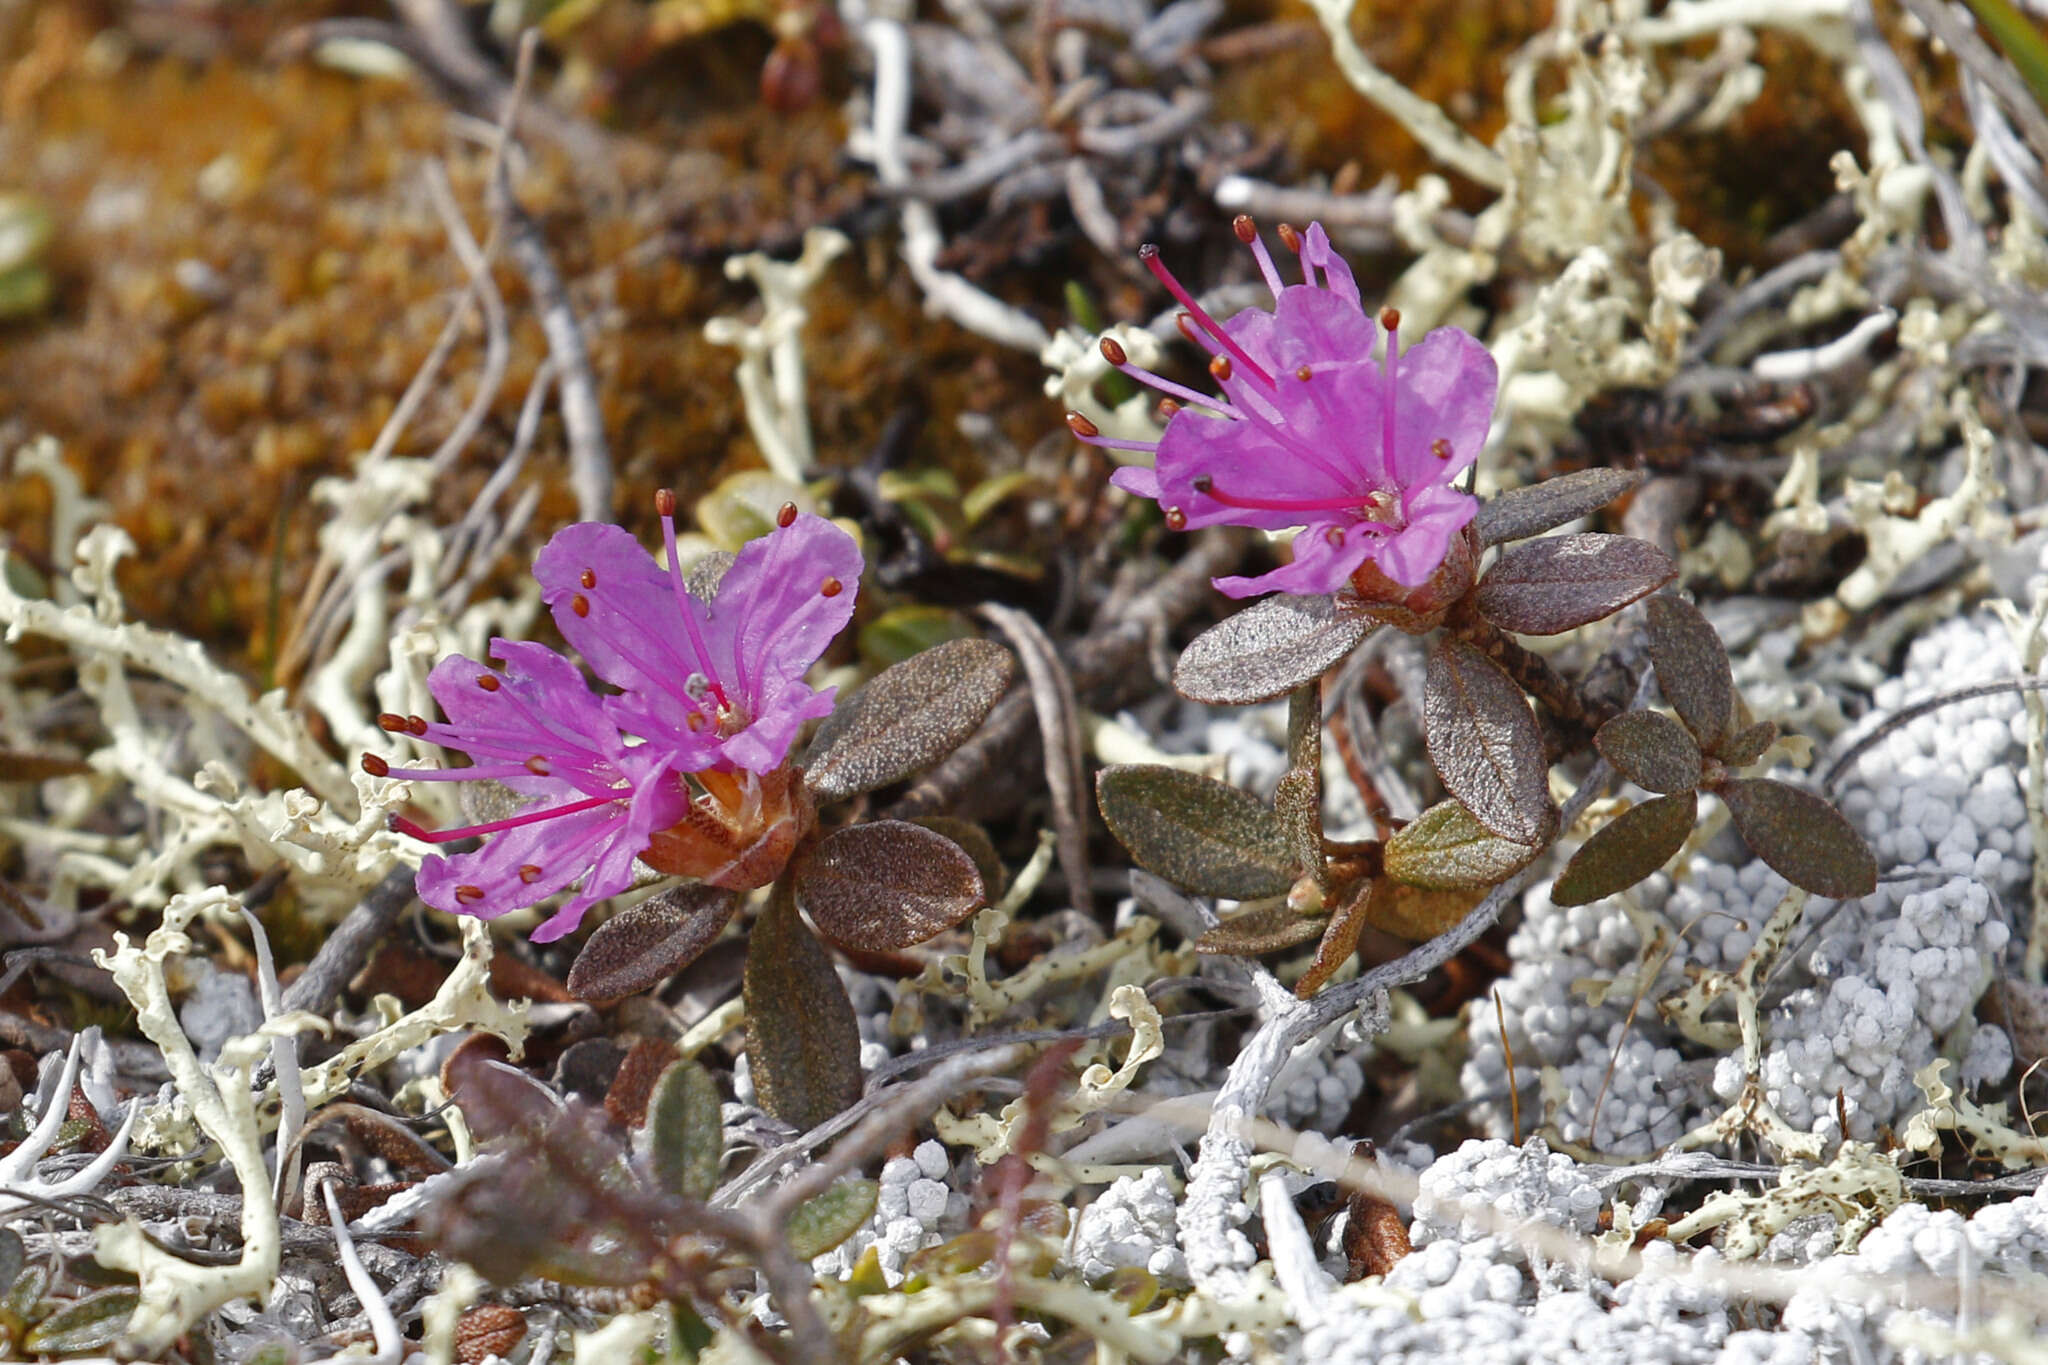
[638, 949]
[1651, 750]
[803, 1045]
[824, 1221]
[887, 884]
[1267, 649]
[1203, 836]
[1483, 739]
[1804, 839]
[1692, 668]
[1627, 849]
[907, 717]
[1522, 512]
[1263, 929]
[88, 1324]
[684, 1136]
[1446, 849]
[1559, 583]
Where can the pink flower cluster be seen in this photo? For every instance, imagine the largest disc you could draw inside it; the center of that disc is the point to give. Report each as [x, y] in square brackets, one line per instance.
[1309, 432]
[683, 767]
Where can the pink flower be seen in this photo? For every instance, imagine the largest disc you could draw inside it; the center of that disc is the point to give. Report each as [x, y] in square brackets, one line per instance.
[724, 676]
[1311, 433]
[593, 802]
[686, 769]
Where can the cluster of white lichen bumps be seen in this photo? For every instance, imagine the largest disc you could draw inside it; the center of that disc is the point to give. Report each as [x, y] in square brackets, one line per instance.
[1865, 992]
[916, 1207]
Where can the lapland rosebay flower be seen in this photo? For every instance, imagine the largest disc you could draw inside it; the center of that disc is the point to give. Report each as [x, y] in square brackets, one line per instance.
[1311, 432]
[686, 770]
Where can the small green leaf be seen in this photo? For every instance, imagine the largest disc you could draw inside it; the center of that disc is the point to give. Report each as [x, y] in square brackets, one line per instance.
[12, 1257]
[1540, 507]
[1804, 839]
[803, 1043]
[745, 505]
[684, 1136]
[639, 948]
[1692, 668]
[1483, 739]
[990, 494]
[88, 1324]
[887, 884]
[1627, 849]
[1446, 849]
[1559, 583]
[1270, 928]
[1651, 750]
[824, 1221]
[2021, 42]
[906, 632]
[1267, 649]
[1203, 836]
[907, 717]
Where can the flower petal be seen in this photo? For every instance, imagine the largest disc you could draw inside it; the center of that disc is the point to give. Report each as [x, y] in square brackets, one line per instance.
[1136, 479]
[772, 617]
[1316, 251]
[562, 850]
[1434, 514]
[1323, 562]
[1244, 458]
[631, 630]
[657, 803]
[1320, 326]
[1446, 385]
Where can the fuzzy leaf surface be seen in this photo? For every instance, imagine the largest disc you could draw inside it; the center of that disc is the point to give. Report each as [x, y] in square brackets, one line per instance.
[907, 717]
[1747, 745]
[1523, 512]
[1264, 929]
[1446, 849]
[1559, 583]
[1203, 836]
[684, 1135]
[87, 1324]
[803, 1044]
[1651, 750]
[1627, 849]
[1692, 668]
[1339, 942]
[1417, 914]
[824, 1221]
[887, 884]
[1483, 739]
[1268, 649]
[1804, 839]
[639, 948]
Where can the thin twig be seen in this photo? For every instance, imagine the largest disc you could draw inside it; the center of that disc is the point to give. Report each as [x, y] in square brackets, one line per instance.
[1059, 729]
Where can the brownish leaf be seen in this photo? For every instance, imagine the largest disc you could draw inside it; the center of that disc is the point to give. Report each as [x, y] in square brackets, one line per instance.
[1804, 839]
[1375, 1236]
[1446, 849]
[1483, 739]
[1523, 512]
[1203, 836]
[803, 1044]
[626, 1099]
[1651, 750]
[1263, 929]
[1416, 914]
[1268, 649]
[491, 1330]
[639, 948]
[1559, 583]
[907, 717]
[1340, 940]
[1627, 849]
[976, 844]
[887, 884]
[1747, 745]
[1692, 668]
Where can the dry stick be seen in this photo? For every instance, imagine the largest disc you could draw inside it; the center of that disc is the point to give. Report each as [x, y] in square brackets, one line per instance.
[1059, 729]
[1907, 714]
[1976, 56]
[351, 943]
[1104, 664]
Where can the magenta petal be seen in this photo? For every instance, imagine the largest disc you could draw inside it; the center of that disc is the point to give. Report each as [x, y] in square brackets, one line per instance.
[1136, 479]
[761, 747]
[1316, 251]
[657, 803]
[1319, 565]
[1317, 326]
[631, 630]
[1447, 383]
[1435, 514]
[1244, 459]
[772, 617]
[561, 849]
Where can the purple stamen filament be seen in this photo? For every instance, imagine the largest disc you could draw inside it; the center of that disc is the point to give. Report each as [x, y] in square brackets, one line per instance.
[683, 604]
[1179, 291]
[1352, 504]
[447, 836]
